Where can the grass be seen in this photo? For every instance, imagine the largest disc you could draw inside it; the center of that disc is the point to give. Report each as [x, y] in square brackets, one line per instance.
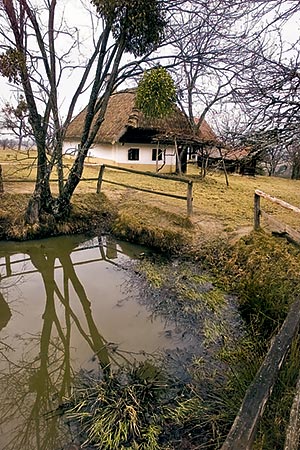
[90, 213]
[265, 273]
[219, 211]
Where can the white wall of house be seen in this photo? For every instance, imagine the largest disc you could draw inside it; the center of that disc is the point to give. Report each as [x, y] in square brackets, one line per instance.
[118, 154]
[145, 154]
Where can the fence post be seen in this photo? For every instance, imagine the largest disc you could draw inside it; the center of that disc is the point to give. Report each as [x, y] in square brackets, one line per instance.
[100, 177]
[189, 198]
[1, 181]
[256, 211]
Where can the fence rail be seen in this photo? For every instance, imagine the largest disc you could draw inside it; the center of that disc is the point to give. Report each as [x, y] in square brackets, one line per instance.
[283, 228]
[188, 197]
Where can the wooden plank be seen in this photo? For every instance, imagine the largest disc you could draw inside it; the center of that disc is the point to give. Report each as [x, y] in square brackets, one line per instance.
[277, 201]
[52, 180]
[293, 430]
[148, 174]
[180, 197]
[282, 228]
[242, 433]
[17, 180]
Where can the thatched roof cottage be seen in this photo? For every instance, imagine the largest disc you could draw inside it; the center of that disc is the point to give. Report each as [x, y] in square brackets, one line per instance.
[126, 138]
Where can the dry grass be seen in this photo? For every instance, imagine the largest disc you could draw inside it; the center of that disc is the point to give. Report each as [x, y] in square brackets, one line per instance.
[218, 210]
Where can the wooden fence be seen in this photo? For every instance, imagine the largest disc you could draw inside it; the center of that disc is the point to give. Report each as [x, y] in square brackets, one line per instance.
[282, 228]
[188, 198]
[1, 180]
[242, 433]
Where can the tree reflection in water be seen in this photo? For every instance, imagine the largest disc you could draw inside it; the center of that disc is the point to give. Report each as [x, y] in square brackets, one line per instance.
[35, 385]
[5, 312]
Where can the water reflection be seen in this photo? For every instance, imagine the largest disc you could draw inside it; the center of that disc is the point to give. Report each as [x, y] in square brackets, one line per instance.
[36, 366]
[5, 313]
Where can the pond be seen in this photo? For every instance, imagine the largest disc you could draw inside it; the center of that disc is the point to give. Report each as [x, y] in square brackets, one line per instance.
[64, 302]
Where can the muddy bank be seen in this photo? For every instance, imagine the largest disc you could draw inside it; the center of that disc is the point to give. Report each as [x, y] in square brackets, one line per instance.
[93, 214]
[90, 214]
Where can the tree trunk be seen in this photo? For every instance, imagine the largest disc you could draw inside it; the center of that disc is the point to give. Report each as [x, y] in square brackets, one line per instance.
[41, 200]
[224, 167]
[183, 159]
[178, 162]
[296, 168]
[60, 169]
[61, 206]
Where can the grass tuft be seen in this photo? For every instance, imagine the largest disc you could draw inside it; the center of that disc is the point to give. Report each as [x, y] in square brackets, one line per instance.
[121, 411]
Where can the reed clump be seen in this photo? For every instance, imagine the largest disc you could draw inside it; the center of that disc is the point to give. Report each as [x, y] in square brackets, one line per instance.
[122, 410]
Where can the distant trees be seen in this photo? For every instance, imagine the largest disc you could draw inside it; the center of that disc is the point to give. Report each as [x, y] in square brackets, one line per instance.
[15, 118]
[268, 86]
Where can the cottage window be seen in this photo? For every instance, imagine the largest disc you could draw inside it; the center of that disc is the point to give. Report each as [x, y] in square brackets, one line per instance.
[133, 154]
[159, 154]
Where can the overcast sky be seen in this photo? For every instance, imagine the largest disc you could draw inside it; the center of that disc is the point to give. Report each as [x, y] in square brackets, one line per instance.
[73, 11]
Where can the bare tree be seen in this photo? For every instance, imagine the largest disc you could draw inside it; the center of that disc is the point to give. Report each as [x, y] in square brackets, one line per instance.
[34, 59]
[206, 51]
[207, 41]
[268, 85]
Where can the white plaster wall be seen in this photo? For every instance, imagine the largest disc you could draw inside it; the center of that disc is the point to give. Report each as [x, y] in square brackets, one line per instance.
[118, 153]
[145, 156]
[102, 151]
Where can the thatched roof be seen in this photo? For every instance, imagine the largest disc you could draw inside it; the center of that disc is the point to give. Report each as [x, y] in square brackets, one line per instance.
[123, 116]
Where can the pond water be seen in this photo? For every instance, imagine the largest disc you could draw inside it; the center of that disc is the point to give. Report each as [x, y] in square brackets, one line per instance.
[63, 303]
